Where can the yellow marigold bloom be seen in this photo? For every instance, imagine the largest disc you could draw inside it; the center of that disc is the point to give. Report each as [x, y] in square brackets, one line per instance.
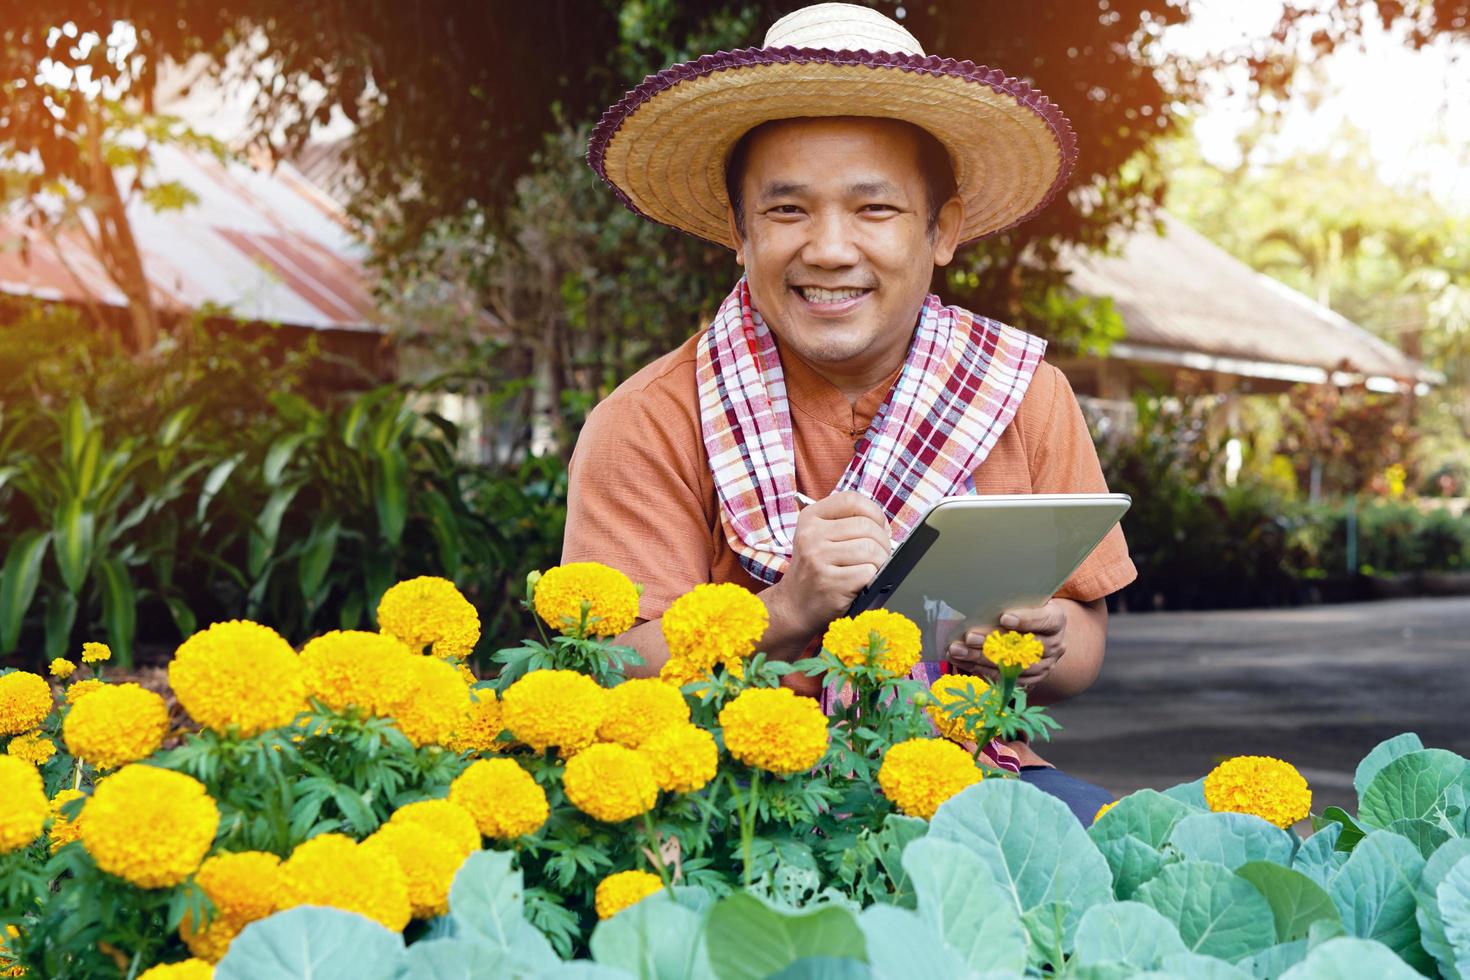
[1007, 648]
[96, 653]
[466, 675]
[443, 817]
[8, 966]
[683, 757]
[774, 730]
[243, 887]
[192, 969]
[355, 668]
[238, 674]
[32, 747]
[638, 708]
[554, 707]
[480, 729]
[435, 705]
[618, 891]
[610, 783]
[848, 639]
[23, 813]
[428, 860]
[25, 701]
[502, 797]
[1103, 809]
[81, 689]
[948, 689]
[149, 826]
[61, 668]
[1271, 789]
[336, 871]
[118, 724]
[430, 611]
[62, 831]
[714, 624]
[922, 773]
[611, 596]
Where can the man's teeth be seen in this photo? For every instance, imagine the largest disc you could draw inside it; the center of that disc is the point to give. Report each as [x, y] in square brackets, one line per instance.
[814, 295]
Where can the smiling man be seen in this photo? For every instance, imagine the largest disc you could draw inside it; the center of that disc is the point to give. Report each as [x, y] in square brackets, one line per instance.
[842, 166]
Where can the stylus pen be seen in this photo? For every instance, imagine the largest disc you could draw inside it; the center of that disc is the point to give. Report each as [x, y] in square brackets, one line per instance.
[803, 499]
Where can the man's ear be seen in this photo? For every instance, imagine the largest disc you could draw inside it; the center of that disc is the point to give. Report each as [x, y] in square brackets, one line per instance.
[946, 237]
[735, 236]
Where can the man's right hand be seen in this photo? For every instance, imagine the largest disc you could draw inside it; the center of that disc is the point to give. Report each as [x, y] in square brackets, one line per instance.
[840, 544]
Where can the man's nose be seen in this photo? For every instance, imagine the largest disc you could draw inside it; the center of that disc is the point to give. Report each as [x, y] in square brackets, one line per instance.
[832, 244]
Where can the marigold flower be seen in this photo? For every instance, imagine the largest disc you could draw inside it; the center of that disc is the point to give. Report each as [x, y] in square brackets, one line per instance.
[8, 966]
[32, 747]
[336, 871]
[444, 817]
[191, 969]
[502, 797]
[118, 724]
[1007, 648]
[714, 624]
[554, 707]
[243, 887]
[428, 859]
[61, 668]
[922, 773]
[81, 689]
[430, 611]
[950, 689]
[636, 709]
[773, 729]
[848, 640]
[610, 783]
[611, 597]
[96, 653]
[683, 757]
[23, 813]
[1269, 788]
[238, 675]
[435, 705]
[149, 826]
[480, 729]
[618, 891]
[62, 831]
[1103, 809]
[25, 701]
[354, 668]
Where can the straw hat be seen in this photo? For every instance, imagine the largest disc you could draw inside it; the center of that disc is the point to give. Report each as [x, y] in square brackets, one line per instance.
[663, 147]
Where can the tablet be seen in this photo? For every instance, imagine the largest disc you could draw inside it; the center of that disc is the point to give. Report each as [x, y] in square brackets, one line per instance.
[973, 557]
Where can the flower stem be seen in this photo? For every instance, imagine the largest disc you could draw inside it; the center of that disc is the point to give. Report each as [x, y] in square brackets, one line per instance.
[658, 856]
[747, 824]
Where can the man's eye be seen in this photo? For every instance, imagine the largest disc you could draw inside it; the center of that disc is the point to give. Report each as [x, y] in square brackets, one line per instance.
[784, 209]
[879, 209]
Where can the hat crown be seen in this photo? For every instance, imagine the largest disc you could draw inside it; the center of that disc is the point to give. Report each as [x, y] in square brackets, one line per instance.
[841, 27]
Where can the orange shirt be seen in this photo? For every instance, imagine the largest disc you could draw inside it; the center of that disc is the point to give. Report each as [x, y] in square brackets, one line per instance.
[642, 498]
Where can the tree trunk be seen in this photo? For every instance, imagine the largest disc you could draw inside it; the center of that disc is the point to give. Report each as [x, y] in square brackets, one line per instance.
[115, 242]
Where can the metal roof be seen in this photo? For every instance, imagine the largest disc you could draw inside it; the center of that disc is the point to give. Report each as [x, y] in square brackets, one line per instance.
[1183, 299]
[267, 246]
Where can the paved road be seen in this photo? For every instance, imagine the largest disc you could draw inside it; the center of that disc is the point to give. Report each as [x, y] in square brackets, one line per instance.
[1317, 686]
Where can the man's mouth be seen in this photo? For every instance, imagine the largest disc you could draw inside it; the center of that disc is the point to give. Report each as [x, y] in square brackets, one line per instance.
[830, 297]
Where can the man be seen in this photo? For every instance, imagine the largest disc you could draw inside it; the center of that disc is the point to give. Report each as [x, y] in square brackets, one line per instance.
[842, 166]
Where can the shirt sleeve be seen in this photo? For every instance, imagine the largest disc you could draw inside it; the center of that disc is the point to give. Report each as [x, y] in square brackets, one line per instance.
[634, 499]
[1063, 460]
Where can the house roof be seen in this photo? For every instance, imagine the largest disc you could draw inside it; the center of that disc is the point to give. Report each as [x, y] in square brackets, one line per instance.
[1186, 301]
[267, 246]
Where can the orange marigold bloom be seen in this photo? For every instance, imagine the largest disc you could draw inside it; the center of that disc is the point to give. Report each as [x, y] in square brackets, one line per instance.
[1269, 788]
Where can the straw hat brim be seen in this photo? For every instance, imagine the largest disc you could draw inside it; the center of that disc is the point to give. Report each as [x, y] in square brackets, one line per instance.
[663, 148]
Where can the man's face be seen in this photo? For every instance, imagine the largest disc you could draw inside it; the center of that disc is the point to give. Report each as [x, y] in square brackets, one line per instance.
[837, 248]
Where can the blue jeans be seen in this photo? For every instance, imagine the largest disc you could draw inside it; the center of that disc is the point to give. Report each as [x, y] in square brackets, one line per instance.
[1083, 798]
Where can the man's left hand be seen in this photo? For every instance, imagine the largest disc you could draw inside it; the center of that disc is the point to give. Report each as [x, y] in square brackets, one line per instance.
[1047, 622]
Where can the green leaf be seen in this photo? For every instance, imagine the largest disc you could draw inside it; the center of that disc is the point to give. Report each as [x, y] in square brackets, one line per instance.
[656, 939]
[1131, 835]
[960, 899]
[119, 609]
[903, 944]
[1002, 821]
[748, 939]
[445, 530]
[1126, 932]
[18, 581]
[1318, 858]
[316, 556]
[1413, 786]
[267, 528]
[1351, 833]
[1453, 898]
[74, 531]
[824, 968]
[183, 616]
[1216, 912]
[59, 619]
[320, 943]
[1296, 900]
[486, 904]
[1423, 834]
[278, 455]
[1348, 957]
[1196, 967]
[1375, 892]
[1276, 960]
[390, 493]
[1231, 839]
[1383, 753]
[1431, 922]
[1190, 794]
[1046, 926]
[214, 482]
